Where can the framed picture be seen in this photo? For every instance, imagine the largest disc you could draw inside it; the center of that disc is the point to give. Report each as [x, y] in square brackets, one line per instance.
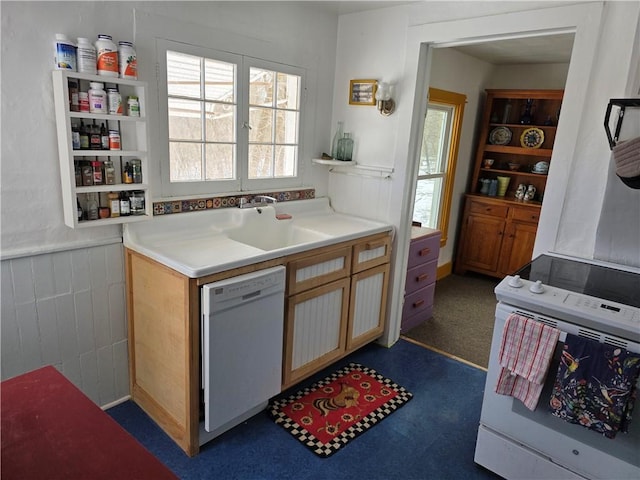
[362, 92]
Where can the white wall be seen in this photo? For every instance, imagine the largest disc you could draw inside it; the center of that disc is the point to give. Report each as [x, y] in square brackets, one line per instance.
[63, 289]
[569, 218]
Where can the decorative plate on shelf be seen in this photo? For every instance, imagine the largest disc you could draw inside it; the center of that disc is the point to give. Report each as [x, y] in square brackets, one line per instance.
[532, 138]
[500, 136]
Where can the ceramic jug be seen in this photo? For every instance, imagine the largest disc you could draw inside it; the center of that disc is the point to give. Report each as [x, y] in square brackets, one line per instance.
[484, 189]
[520, 192]
[531, 192]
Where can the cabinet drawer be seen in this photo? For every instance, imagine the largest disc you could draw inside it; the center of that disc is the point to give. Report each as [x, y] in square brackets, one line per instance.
[371, 253]
[488, 209]
[316, 270]
[419, 301]
[525, 214]
[423, 250]
[420, 276]
[414, 320]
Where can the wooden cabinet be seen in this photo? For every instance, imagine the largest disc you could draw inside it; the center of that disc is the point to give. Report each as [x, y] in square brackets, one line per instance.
[517, 132]
[336, 303]
[497, 236]
[422, 267]
[133, 139]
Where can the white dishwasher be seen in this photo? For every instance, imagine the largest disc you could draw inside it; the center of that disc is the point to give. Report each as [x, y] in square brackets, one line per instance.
[242, 336]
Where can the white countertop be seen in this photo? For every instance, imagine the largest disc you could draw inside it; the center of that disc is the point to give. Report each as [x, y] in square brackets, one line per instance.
[198, 243]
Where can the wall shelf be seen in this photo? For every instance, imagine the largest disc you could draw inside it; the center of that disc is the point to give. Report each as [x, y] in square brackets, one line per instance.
[326, 161]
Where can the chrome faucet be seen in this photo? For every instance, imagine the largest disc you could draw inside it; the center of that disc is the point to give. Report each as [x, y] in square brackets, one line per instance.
[257, 201]
[263, 199]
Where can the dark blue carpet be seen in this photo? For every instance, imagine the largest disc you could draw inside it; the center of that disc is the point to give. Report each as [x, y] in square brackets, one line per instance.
[431, 437]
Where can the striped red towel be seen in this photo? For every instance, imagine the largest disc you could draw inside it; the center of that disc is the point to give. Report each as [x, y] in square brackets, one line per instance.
[525, 354]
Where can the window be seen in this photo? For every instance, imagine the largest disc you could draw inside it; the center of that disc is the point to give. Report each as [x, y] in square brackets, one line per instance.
[438, 155]
[233, 122]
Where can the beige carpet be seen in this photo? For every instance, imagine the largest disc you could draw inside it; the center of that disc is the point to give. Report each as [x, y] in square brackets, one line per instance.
[462, 323]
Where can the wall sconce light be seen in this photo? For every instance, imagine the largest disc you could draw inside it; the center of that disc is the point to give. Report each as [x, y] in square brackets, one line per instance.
[386, 105]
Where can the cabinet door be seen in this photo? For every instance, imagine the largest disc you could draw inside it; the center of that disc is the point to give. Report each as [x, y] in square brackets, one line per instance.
[315, 329]
[517, 248]
[367, 307]
[480, 248]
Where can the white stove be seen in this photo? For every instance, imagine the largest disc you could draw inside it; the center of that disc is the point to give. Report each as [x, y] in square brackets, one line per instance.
[586, 298]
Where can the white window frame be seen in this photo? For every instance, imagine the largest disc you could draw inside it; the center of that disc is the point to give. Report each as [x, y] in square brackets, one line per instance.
[242, 183]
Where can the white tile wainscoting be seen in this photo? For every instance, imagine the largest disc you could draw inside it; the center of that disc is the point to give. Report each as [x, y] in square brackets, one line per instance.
[67, 309]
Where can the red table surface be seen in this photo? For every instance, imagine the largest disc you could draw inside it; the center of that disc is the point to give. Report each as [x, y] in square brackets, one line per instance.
[50, 429]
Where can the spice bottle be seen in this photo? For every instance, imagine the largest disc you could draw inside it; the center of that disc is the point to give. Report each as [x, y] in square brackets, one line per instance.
[136, 170]
[95, 142]
[92, 208]
[104, 137]
[125, 206]
[75, 136]
[127, 174]
[84, 136]
[74, 99]
[109, 173]
[137, 202]
[114, 204]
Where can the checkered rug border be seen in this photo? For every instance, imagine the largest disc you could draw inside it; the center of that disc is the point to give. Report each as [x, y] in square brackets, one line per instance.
[327, 449]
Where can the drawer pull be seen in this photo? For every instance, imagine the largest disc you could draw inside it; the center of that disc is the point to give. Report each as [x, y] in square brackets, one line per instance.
[418, 303]
[422, 277]
[374, 245]
[424, 252]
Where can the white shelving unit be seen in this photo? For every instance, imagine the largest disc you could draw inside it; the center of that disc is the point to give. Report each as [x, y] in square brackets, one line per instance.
[134, 142]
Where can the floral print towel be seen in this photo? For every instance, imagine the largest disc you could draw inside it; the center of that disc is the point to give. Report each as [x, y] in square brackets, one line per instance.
[595, 385]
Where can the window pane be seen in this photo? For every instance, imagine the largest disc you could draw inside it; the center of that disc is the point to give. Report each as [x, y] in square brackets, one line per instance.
[183, 75]
[288, 91]
[184, 119]
[261, 85]
[432, 158]
[219, 81]
[286, 127]
[220, 162]
[260, 161]
[185, 161]
[220, 122]
[286, 161]
[261, 121]
[427, 204]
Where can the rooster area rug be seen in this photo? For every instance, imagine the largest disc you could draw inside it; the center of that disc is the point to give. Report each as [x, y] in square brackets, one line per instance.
[332, 412]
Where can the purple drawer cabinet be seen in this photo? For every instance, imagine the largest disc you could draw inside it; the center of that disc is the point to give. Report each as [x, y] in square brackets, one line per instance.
[419, 301]
[420, 284]
[423, 249]
[420, 276]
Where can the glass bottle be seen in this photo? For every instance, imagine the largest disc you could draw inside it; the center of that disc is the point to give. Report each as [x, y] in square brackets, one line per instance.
[336, 138]
[92, 208]
[104, 137]
[125, 206]
[345, 148]
[527, 116]
[84, 136]
[80, 211]
[127, 174]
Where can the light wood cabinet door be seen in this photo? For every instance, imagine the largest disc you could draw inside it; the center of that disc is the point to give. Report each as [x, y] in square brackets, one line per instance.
[367, 306]
[482, 241]
[517, 248]
[315, 329]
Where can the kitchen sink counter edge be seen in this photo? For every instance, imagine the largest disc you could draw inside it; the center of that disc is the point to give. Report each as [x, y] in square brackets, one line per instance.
[197, 244]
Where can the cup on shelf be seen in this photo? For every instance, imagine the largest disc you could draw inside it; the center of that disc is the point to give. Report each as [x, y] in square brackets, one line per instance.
[503, 183]
[488, 162]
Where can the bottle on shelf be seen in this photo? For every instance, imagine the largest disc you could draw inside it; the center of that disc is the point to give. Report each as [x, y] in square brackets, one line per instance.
[127, 173]
[75, 136]
[86, 56]
[92, 208]
[104, 137]
[345, 148]
[95, 141]
[109, 173]
[84, 136]
[336, 138]
[125, 206]
[114, 204]
[136, 170]
[80, 211]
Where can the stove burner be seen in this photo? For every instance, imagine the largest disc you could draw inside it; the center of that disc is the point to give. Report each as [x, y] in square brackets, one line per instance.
[586, 278]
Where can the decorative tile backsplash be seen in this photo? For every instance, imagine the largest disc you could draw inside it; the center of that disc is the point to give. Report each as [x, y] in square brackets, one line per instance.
[182, 206]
